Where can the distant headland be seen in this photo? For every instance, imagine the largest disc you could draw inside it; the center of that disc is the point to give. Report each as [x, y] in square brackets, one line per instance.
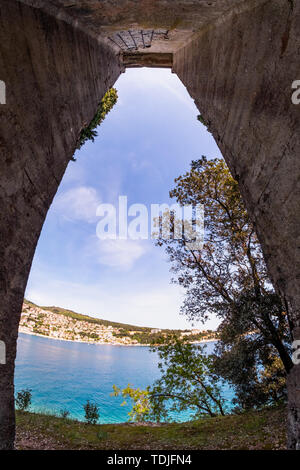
[59, 323]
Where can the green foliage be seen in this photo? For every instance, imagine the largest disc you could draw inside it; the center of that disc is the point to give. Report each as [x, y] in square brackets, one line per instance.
[150, 338]
[273, 381]
[92, 336]
[107, 103]
[187, 382]
[228, 279]
[140, 400]
[202, 120]
[251, 362]
[258, 381]
[23, 399]
[91, 412]
[64, 413]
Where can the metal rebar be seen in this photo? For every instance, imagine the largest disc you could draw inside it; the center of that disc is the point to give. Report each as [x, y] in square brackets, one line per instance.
[133, 40]
[143, 38]
[119, 35]
[112, 40]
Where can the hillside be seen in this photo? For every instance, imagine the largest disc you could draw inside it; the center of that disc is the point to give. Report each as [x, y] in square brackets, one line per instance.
[252, 430]
[59, 323]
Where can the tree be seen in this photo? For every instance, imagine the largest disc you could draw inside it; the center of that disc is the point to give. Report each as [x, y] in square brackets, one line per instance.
[91, 412]
[140, 401]
[188, 381]
[228, 277]
[105, 106]
[251, 362]
[23, 399]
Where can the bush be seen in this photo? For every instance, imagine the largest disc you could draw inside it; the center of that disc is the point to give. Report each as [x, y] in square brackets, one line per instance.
[91, 412]
[23, 400]
[64, 413]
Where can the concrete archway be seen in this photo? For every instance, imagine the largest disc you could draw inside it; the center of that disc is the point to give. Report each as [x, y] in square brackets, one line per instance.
[237, 58]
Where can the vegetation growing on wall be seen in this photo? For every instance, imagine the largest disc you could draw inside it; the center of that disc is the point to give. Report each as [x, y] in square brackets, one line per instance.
[105, 106]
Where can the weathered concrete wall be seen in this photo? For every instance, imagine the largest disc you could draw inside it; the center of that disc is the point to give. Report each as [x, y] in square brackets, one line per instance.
[55, 76]
[238, 59]
[240, 73]
[182, 18]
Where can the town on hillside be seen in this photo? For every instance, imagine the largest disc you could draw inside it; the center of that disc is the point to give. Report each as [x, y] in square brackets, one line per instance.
[57, 323]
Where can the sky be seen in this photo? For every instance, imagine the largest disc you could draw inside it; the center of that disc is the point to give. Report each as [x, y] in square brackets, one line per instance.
[145, 142]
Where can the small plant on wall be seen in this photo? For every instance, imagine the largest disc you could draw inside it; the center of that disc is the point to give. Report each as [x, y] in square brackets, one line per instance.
[89, 132]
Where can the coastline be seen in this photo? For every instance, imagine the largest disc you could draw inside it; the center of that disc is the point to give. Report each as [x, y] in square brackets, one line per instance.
[104, 343]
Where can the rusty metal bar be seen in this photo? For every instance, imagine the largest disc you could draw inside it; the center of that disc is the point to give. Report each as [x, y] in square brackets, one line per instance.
[147, 59]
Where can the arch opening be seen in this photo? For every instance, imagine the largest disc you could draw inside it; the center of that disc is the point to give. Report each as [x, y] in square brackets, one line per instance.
[237, 61]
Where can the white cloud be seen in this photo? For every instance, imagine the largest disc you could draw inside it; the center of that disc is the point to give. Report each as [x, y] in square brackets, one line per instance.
[78, 203]
[116, 253]
[153, 79]
[154, 306]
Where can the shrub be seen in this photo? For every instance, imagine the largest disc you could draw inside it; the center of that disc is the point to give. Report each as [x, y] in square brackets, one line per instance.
[91, 412]
[107, 103]
[23, 400]
[64, 413]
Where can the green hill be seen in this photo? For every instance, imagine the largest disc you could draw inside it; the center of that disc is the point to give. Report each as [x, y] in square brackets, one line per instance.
[98, 321]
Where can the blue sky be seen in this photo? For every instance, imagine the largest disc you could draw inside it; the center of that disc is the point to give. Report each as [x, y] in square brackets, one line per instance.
[145, 142]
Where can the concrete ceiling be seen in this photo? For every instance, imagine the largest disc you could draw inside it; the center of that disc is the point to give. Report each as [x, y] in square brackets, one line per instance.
[169, 23]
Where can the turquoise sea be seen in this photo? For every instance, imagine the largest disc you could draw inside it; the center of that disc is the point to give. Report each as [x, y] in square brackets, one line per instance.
[64, 375]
